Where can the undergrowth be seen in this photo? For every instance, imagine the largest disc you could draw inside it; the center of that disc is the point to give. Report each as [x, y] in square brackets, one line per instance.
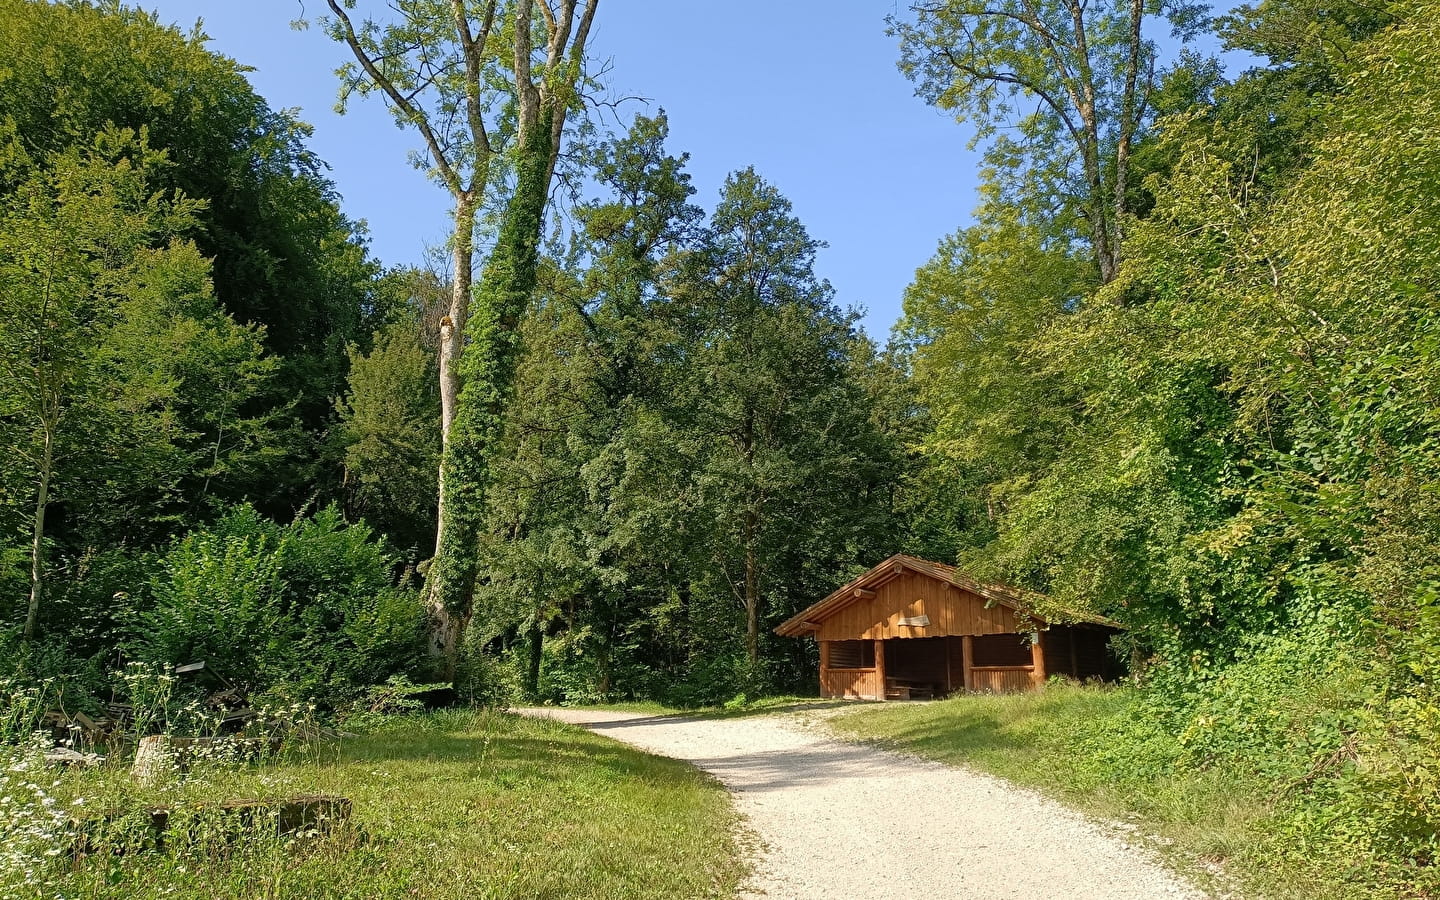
[1273, 790]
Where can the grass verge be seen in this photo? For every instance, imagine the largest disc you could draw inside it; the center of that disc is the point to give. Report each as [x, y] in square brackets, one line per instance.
[472, 804]
[1089, 747]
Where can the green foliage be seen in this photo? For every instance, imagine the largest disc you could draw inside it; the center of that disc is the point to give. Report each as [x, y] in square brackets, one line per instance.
[309, 608]
[483, 680]
[284, 261]
[177, 291]
[695, 409]
[1236, 452]
[398, 696]
[126, 386]
[387, 427]
[1061, 92]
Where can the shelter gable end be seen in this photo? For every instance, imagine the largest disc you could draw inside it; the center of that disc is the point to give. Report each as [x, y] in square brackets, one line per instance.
[916, 605]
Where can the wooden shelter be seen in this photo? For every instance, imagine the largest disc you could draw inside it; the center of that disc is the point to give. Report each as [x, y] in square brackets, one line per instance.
[912, 628]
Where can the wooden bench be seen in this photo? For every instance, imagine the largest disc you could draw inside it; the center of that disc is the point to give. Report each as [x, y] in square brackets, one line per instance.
[901, 689]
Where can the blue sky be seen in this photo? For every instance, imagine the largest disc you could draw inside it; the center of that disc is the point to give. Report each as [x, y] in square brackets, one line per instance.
[804, 90]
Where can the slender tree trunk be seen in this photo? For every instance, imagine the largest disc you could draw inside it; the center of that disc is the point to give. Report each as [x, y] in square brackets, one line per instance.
[752, 589]
[445, 630]
[749, 534]
[37, 538]
[603, 658]
[1131, 110]
[452, 327]
[537, 652]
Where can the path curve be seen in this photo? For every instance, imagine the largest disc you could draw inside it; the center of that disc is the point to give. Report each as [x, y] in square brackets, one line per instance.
[845, 820]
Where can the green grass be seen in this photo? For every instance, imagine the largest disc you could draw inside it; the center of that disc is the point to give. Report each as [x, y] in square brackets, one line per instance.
[474, 805]
[1090, 749]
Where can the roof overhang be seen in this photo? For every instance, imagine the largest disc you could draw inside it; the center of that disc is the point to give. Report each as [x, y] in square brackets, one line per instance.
[808, 620]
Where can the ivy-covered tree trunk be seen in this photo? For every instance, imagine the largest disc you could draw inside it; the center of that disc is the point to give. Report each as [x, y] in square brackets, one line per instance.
[487, 369]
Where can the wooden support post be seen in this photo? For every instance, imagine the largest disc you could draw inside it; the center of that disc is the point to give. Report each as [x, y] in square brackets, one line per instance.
[967, 647]
[824, 667]
[880, 667]
[1037, 659]
[1074, 660]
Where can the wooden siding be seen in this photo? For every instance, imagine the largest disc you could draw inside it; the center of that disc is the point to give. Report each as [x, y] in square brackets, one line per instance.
[1002, 679]
[951, 610]
[852, 684]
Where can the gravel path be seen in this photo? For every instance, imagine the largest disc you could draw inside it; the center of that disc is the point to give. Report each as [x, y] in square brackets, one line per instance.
[840, 820]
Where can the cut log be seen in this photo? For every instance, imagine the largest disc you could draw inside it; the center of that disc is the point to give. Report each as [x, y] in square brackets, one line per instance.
[160, 756]
[64, 756]
[305, 816]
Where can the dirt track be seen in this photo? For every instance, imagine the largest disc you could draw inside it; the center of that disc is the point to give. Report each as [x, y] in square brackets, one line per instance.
[839, 820]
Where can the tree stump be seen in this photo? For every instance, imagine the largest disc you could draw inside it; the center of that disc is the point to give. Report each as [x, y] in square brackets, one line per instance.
[155, 760]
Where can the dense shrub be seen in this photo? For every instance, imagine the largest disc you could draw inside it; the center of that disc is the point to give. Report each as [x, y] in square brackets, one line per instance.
[309, 608]
[54, 672]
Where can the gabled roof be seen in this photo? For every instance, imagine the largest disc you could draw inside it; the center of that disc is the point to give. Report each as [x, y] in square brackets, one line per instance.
[808, 620]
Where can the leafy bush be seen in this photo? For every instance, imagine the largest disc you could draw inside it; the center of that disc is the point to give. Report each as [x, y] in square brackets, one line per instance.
[397, 696]
[308, 607]
[49, 666]
[484, 680]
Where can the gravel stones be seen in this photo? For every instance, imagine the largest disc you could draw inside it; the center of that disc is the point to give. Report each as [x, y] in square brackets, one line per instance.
[837, 819]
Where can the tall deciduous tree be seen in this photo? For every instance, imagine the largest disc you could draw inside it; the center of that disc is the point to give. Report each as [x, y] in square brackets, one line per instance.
[1075, 80]
[282, 255]
[439, 69]
[444, 68]
[783, 431]
[122, 380]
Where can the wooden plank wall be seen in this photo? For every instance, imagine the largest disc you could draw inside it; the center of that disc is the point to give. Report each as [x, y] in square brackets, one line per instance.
[1002, 679]
[853, 684]
[952, 611]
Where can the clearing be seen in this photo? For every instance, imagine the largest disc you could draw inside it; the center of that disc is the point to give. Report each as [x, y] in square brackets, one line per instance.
[838, 819]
